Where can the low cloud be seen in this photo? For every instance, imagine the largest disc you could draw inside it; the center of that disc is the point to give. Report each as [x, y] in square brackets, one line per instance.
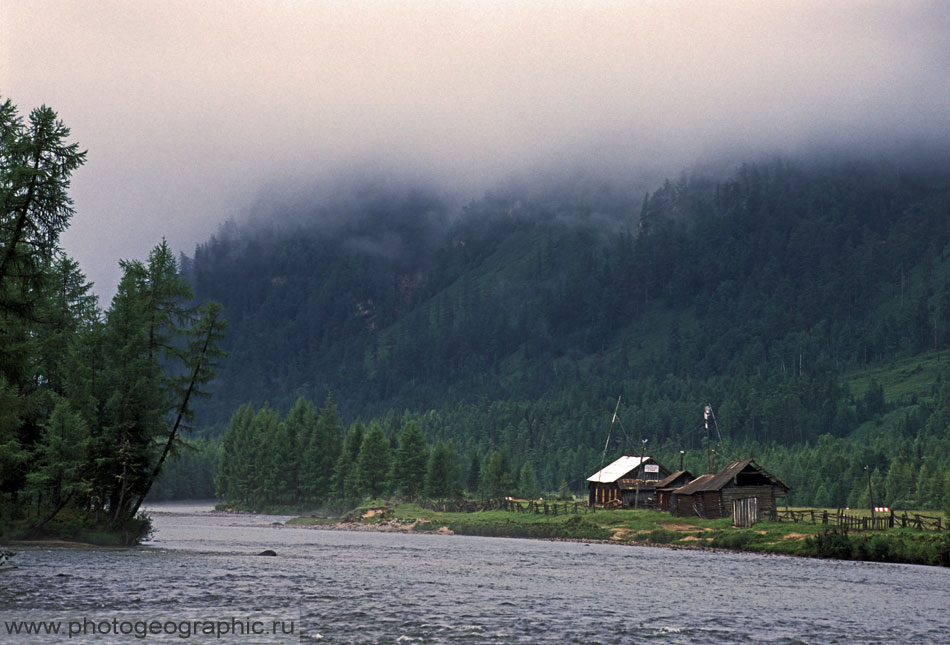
[189, 110]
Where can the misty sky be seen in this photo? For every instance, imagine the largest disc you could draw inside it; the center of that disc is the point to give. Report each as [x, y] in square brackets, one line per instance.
[190, 107]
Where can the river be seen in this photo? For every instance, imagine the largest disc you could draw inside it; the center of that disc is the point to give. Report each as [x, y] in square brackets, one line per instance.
[199, 580]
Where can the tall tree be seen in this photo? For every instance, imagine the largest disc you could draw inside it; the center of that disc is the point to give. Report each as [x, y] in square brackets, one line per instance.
[373, 463]
[528, 482]
[36, 164]
[496, 476]
[442, 473]
[474, 474]
[409, 461]
[159, 353]
[322, 453]
[345, 484]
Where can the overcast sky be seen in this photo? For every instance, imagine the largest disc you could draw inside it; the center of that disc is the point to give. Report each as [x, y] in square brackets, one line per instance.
[189, 108]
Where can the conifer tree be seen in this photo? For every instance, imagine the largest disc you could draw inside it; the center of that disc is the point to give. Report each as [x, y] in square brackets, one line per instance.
[373, 463]
[409, 461]
[238, 468]
[323, 452]
[442, 473]
[474, 474]
[301, 427]
[344, 474]
[528, 482]
[496, 477]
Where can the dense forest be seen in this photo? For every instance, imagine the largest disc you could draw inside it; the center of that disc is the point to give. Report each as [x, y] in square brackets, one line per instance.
[512, 325]
[92, 401]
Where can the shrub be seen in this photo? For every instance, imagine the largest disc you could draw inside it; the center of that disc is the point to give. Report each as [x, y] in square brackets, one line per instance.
[662, 536]
[832, 544]
[733, 540]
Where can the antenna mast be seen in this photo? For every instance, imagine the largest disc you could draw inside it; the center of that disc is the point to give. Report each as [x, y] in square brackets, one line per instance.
[603, 456]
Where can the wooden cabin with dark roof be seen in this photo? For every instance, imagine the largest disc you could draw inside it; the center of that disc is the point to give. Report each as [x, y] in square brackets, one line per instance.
[666, 486]
[711, 496]
[628, 482]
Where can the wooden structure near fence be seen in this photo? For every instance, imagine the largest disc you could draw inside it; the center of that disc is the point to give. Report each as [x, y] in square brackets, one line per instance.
[879, 522]
[711, 496]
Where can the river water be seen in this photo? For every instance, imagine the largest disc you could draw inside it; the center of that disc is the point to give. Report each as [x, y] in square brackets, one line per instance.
[199, 580]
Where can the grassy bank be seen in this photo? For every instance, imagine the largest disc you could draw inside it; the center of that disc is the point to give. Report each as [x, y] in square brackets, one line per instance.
[70, 525]
[659, 528]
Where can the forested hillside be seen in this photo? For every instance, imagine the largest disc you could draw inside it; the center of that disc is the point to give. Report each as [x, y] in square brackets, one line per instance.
[517, 322]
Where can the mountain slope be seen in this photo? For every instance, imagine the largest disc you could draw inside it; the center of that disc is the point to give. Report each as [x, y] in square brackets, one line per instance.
[519, 321]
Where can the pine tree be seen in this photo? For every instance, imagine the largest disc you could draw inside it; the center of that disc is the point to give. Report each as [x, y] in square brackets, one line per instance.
[946, 495]
[564, 492]
[322, 452]
[528, 482]
[344, 475]
[474, 474]
[442, 473]
[239, 453]
[496, 478]
[373, 463]
[301, 428]
[409, 462]
[60, 460]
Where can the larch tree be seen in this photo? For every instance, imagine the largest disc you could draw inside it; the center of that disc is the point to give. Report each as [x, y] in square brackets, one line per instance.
[409, 461]
[372, 463]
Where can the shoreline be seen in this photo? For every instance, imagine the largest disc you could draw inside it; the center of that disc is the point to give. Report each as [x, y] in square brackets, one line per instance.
[655, 529]
[395, 527]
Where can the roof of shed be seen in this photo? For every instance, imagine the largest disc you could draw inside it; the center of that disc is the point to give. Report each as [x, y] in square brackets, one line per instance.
[666, 481]
[695, 486]
[617, 469]
[709, 483]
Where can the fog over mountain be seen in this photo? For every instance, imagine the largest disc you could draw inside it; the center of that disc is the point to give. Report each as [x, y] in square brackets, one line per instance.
[195, 112]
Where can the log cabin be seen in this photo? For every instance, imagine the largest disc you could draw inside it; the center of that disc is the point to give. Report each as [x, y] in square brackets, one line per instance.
[628, 482]
[711, 496]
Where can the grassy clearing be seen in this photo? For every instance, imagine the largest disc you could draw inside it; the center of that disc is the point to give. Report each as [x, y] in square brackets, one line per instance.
[903, 380]
[657, 528]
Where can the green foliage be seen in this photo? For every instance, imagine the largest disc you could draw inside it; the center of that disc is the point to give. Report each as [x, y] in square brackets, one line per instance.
[410, 461]
[804, 315]
[733, 539]
[496, 477]
[344, 474]
[832, 543]
[564, 492]
[191, 472]
[92, 404]
[474, 474]
[662, 536]
[373, 463]
[528, 482]
[442, 473]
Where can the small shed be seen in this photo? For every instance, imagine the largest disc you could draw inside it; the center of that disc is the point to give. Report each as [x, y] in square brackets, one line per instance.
[666, 486]
[711, 496]
[628, 482]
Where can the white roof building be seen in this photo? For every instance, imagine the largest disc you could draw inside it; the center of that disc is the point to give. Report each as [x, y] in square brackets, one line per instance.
[617, 469]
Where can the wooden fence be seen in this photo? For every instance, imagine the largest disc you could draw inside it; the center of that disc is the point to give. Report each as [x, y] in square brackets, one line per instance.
[510, 505]
[879, 522]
